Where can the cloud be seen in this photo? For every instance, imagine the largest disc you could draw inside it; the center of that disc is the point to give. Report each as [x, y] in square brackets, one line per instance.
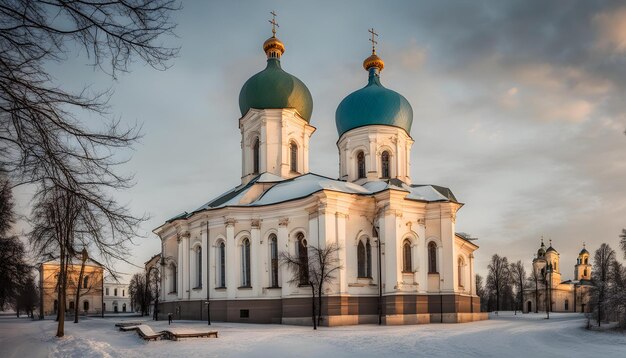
[611, 30]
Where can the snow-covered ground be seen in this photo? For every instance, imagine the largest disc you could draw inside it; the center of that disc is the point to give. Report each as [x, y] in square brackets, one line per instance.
[507, 335]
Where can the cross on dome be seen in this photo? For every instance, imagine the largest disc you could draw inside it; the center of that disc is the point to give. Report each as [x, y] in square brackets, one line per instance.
[273, 22]
[373, 40]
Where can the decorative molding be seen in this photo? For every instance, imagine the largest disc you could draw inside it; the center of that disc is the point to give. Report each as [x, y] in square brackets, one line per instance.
[230, 222]
[453, 216]
[283, 222]
[256, 223]
[421, 221]
[341, 215]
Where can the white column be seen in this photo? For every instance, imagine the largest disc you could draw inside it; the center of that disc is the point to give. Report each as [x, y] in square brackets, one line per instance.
[343, 257]
[392, 269]
[448, 259]
[255, 271]
[283, 246]
[231, 267]
[205, 253]
[179, 269]
[422, 255]
[187, 267]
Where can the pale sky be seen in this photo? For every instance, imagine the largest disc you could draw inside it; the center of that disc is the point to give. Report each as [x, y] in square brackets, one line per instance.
[518, 108]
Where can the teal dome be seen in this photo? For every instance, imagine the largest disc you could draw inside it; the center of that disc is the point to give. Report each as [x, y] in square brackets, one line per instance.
[274, 88]
[373, 105]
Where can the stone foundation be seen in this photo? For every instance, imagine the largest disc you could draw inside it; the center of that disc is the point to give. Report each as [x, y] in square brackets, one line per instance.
[336, 310]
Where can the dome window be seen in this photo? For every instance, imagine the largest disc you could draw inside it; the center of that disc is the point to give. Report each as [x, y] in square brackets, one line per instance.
[360, 165]
[384, 164]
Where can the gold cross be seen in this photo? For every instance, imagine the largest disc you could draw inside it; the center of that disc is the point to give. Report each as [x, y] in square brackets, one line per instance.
[274, 23]
[373, 40]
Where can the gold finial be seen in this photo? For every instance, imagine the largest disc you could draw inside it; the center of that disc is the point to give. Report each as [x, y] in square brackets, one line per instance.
[373, 60]
[584, 245]
[274, 23]
[273, 47]
[373, 40]
[550, 242]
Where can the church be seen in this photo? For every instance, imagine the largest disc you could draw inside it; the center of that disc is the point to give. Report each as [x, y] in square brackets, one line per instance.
[547, 286]
[402, 260]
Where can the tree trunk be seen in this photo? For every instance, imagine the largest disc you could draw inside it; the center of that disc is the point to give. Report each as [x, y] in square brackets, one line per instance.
[313, 305]
[61, 305]
[80, 281]
[319, 304]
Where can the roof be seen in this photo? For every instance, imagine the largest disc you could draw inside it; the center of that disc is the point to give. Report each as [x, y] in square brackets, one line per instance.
[373, 105]
[551, 249]
[274, 88]
[89, 262]
[279, 190]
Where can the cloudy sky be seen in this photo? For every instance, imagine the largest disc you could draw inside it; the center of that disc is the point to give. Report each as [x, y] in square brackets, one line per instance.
[518, 108]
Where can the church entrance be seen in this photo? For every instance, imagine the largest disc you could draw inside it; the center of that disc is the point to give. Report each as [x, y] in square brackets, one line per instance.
[529, 306]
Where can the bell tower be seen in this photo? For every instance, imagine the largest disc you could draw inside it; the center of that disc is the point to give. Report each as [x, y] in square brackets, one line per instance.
[582, 269]
[276, 109]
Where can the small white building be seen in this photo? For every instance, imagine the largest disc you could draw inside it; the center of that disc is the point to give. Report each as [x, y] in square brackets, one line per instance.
[116, 298]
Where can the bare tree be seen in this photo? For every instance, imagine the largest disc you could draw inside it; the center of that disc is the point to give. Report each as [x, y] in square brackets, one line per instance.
[154, 279]
[41, 139]
[318, 268]
[534, 279]
[518, 274]
[602, 262]
[622, 241]
[13, 267]
[140, 294]
[499, 277]
[40, 135]
[481, 292]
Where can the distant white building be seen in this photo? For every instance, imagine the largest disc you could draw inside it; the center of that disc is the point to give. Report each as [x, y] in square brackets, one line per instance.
[116, 298]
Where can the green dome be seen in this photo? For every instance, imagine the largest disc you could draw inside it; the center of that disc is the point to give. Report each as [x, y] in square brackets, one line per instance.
[373, 105]
[274, 88]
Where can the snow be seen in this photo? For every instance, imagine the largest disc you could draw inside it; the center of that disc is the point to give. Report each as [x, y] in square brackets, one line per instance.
[306, 185]
[528, 335]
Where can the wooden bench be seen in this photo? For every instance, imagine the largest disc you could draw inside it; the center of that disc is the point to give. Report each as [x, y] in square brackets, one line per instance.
[144, 331]
[174, 336]
[125, 324]
[147, 333]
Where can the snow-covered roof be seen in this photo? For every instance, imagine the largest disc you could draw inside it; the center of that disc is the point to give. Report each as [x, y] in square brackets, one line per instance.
[276, 190]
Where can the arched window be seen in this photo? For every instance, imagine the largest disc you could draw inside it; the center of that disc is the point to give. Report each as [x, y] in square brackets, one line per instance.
[585, 272]
[274, 260]
[174, 280]
[384, 164]
[293, 156]
[255, 156]
[432, 257]
[107, 291]
[245, 263]
[364, 259]
[303, 257]
[115, 292]
[199, 267]
[406, 257]
[566, 304]
[360, 255]
[360, 165]
[85, 305]
[221, 257]
[86, 282]
[586, 260]
[460, 272]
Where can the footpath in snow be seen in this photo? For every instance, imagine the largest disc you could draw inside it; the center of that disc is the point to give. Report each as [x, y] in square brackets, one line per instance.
[507, 335]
